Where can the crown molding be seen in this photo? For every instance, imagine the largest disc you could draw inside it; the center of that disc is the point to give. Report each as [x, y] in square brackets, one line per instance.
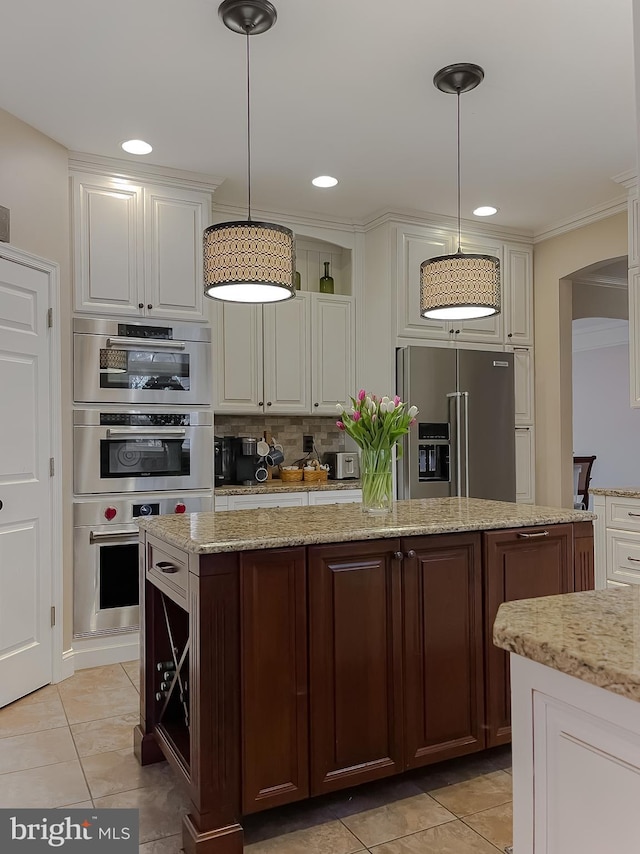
[80, 161]
[602, 281]
[587, 217]
[468, 227]
[599, 337]
[628, 179]
[288, 217]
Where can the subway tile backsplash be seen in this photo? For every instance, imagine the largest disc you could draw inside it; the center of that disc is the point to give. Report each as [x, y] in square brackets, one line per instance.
[287, 430]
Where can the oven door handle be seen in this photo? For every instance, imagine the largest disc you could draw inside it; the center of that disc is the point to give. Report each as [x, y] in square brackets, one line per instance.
[156, 432]
[147, 343]
[116, 536]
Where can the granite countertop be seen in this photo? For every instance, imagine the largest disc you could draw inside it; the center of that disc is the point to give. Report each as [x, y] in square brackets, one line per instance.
[271, 486]
[267, 528]
[594, 636]
[618, 491]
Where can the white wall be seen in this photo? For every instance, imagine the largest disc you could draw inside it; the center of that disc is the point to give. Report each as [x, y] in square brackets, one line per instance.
[603, 422]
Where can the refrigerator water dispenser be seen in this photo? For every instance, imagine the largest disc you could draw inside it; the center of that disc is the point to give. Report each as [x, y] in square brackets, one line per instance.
[433, 452]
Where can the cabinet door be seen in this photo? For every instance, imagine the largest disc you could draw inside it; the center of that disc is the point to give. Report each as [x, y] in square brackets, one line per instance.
[287, 344]
[517, 291]
[238, 368]
[174, 223]
[489, 329]
[107, 246]
[525, 465]
[275, 744]
[414, 247]
[519, 564]
[355, 663]
[333, 353]
[443, 643]
[523, 378]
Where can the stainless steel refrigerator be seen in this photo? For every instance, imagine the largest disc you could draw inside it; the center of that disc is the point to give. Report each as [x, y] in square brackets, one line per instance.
[464, 441]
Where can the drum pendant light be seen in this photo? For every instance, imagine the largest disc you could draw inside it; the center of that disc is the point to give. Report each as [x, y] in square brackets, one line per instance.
[249, 261]
[464, 285]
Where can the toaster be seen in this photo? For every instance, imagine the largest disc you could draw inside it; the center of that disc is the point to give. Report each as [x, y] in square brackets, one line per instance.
[343, 465]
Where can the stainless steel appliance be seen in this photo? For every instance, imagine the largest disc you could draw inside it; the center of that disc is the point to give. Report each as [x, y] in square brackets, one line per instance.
[343, 465]
[141, 363]
[130, 450]
[464, 442]
[105, 558]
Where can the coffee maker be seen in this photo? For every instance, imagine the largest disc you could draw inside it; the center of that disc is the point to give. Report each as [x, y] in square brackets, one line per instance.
[238, 461]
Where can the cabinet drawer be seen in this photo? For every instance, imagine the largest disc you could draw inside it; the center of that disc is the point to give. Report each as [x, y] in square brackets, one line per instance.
[623, 513]
[275, 499]
[624, 557]
[168, 569]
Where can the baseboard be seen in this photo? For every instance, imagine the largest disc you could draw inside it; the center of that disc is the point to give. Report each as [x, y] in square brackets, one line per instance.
[94, 652]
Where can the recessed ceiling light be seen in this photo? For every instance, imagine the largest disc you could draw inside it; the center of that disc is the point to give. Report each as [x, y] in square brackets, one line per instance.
[324, 181]
[136, 146]
[485, 210]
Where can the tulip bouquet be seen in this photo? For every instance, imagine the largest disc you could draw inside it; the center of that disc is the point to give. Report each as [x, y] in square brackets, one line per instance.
[376, 424]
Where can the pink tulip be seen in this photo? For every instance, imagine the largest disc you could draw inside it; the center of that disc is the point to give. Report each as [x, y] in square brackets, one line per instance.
[396, 400]
[362, 394]
[340, 425]
[412, 422]
[356, 416]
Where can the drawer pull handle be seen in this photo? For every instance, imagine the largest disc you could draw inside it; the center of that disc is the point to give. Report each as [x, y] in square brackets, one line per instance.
[165, 566]
[532, 536]
[633, 514]
[634, 559]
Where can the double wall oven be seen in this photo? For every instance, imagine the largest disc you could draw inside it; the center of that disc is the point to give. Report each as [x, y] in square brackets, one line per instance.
[143, 445]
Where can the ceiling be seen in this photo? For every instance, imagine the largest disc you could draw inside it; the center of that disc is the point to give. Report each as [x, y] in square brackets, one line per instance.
[343, 87]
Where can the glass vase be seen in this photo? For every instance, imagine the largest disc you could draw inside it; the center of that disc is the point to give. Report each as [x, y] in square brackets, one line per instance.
[326, 282]
[377, 480]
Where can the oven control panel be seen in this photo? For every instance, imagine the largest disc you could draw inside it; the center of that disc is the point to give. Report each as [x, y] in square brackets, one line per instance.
[146, 419]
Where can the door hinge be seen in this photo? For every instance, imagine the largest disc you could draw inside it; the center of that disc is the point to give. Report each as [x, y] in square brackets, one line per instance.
[52, 467]
[50, 318]
[53, 616]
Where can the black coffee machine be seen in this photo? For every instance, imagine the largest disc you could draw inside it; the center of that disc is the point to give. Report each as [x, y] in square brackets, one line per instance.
[225, 451]
[236, 461]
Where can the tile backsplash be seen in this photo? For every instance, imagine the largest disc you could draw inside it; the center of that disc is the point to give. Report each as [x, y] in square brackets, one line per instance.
[288, 430]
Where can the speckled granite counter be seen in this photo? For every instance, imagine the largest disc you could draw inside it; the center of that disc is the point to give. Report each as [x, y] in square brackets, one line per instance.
[616, 491]
[273, 486]
[240, 530]
[594, 636]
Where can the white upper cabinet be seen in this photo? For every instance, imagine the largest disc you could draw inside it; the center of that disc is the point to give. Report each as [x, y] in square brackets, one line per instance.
[415, 246]
[333, 352]
[294, 358]
[138, 248]
[518, 295]
[286, 330]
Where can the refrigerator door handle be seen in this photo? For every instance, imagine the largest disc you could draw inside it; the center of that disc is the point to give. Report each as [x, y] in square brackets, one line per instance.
[465, 398]
[456, 395]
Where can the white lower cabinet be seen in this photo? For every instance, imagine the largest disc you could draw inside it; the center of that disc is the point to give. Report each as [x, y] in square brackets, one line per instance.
[525, 465]
[616, 541]
[287, 499]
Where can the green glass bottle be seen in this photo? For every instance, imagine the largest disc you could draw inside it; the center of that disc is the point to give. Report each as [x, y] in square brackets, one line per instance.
[326, 282]
[296, 280]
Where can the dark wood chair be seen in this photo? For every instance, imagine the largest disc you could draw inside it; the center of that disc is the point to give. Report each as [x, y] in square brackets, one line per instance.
[584, 478]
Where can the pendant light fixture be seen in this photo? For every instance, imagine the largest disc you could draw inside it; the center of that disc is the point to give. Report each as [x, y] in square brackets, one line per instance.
[464, 285]
[249, 261]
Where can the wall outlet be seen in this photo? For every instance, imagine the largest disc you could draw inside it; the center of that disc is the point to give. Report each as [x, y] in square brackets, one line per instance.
[307, 444]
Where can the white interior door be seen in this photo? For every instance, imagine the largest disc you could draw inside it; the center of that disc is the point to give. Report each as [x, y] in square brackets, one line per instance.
[25, 515]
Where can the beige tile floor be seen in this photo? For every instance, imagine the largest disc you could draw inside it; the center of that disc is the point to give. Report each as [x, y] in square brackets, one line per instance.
[71, 745]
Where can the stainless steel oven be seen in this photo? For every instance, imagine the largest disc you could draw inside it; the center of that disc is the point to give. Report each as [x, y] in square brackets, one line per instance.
[105, 558]
[141, 450]
[141, 363]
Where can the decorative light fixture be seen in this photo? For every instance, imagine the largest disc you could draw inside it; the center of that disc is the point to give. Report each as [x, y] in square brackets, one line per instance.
[249, 261]
[464, 285]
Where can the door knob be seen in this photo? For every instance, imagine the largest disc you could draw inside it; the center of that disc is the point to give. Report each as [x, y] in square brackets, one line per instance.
[510, 335]
[268, 403]
[411, 553]
[140, 305]
[261, 403]
[316, 404]
[398, 555]
[149, 306]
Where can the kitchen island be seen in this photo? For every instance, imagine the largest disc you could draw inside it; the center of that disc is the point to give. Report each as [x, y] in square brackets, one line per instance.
[293, 652]
[575, 681]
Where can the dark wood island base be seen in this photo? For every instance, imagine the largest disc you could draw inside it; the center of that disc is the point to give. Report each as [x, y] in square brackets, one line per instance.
[278, 674]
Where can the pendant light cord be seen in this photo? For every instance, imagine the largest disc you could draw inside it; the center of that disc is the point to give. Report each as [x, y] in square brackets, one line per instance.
[459, 240]
[248, 130]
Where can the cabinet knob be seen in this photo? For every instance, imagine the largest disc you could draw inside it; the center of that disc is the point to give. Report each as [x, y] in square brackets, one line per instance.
[411, 553]
[261, 403]
[451, 332]
[149, 306]
[457, 332]
[140, 305]
[510, 335]
[316, 404]
[268, 403]
[398, 555]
